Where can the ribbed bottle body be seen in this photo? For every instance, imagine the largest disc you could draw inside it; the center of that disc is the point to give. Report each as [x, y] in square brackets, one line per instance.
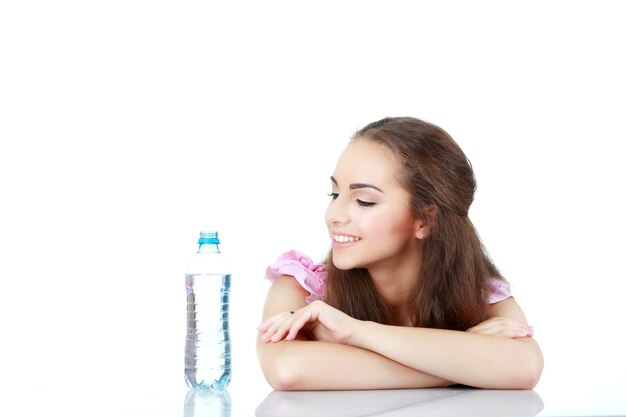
[207, 347]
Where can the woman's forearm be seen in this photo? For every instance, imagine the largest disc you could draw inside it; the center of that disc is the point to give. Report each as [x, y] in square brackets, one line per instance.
[313, 365]
[466, 358]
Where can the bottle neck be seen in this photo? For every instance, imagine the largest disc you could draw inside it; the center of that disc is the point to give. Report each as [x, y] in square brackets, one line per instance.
[208, 248]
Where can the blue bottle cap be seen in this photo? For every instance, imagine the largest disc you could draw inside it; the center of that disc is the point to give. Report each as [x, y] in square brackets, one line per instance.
[208, 237]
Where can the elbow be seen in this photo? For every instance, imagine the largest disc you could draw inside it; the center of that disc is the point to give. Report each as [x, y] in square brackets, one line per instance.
[279, 371]
[523, 380]
[527, 374]
[532, 374]
[282, 379]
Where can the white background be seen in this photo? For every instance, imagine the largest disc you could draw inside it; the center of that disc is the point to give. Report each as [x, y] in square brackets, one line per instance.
[128, 126]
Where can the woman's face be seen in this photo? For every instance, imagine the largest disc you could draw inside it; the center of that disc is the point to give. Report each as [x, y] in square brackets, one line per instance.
[369, 218]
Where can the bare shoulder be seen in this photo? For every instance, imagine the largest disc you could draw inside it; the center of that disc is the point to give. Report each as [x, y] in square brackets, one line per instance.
[507, 308]
[285, 294]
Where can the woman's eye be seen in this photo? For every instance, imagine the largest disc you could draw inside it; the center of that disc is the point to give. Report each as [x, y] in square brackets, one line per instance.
[365, 203]
[333, 195]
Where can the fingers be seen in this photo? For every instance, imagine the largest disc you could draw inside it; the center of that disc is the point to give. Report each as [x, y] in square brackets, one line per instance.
[285, 325]
[270, 327]
[503, 326]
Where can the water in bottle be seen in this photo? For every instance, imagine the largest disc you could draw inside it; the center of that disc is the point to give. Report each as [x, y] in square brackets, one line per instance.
[207, 348]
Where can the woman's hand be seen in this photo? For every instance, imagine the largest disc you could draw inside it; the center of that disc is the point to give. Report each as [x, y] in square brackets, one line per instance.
[321, 321]
[504, 327]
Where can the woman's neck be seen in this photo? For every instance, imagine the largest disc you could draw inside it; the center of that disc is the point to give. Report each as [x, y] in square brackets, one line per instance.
[395, 281]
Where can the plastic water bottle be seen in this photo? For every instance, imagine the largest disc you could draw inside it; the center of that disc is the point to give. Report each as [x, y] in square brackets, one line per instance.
[207, 349]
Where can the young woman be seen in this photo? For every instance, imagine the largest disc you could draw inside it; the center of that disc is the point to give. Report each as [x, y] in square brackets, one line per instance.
[407, 297]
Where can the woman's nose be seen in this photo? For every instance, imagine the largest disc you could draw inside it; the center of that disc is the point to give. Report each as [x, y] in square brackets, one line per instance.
[337, 212]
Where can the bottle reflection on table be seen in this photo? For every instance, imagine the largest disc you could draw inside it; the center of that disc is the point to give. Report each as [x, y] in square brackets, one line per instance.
[207, 403]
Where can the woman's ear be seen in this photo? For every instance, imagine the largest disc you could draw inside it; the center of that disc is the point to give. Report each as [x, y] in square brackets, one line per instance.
[424, 225]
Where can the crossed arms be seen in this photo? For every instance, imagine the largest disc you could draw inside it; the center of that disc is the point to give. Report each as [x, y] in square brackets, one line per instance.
[346, 353]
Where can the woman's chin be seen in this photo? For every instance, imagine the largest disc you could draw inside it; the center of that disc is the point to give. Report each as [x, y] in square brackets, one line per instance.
[343, 264]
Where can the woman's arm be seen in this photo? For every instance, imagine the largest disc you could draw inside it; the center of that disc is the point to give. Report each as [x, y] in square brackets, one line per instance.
[468, 358]
[302, 364]
[487, 356]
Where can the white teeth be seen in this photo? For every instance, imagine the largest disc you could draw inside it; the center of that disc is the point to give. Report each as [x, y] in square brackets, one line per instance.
[344, 239]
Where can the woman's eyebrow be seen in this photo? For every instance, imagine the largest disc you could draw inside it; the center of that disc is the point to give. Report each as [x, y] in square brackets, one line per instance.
[358, 185]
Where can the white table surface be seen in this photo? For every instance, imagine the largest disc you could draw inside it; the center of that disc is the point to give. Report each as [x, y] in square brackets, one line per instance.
[454, 401]
[249, 395]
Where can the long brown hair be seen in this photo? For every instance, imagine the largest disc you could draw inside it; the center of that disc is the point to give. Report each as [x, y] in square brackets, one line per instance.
[450, 291]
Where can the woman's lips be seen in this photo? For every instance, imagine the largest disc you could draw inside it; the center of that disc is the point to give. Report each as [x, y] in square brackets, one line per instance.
[341, 240]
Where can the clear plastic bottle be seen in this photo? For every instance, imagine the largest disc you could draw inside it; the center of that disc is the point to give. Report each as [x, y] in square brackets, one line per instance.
[207, 349]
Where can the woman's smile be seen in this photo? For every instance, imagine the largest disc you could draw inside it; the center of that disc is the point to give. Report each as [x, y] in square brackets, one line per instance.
[340, 240]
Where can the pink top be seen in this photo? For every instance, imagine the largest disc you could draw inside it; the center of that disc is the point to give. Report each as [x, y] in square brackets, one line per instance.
[311, 276]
